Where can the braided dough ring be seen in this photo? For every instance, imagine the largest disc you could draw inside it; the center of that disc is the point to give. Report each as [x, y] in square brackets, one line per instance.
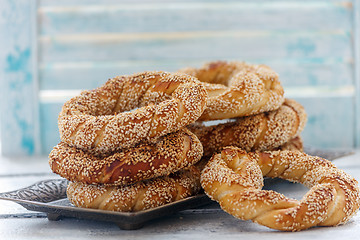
[146, 160]
[234, 178]
[295, 144]
[139, 196]
[264, 131]
[95, 121]
[237, 89]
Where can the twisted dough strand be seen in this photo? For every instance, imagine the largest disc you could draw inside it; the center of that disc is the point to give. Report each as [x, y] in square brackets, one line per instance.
[264, 131]
[139, 196]
[295, 144]
[234, 178]
[97, 121]
[237, 89]
[169, 154]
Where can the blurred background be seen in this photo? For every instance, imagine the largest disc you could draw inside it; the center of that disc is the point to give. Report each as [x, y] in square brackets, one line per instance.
[50, 50]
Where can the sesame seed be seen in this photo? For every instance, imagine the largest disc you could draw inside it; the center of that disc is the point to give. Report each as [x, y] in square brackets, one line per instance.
[129, 109]
[237, 89]
[234, 178]
[141, 195]
[264, 131]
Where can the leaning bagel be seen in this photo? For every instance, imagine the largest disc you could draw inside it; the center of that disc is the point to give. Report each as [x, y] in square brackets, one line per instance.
[237, 89]
[234, 178]
[263, 131]
[103, 120]
[295, 144]
[139, 196]
[169, 154]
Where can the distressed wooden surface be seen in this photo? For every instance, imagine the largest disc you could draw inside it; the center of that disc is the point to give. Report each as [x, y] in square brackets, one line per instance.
[208, 222]
[218, 226]
[174, 16]
[356, 24]
[324, 116]
[202, 46]
[18, 86]
[313, 45]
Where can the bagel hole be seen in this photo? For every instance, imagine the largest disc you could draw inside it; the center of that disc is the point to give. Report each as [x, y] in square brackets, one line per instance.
[125, 111]
[216, 122]
[287, 188]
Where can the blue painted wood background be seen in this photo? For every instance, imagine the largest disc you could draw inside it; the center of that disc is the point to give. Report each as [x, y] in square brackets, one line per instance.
[52, 49]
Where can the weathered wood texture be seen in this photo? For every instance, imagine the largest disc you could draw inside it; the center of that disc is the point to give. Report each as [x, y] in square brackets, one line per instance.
[312, 44]
[208, 222]
[356, 24]
[18, 73]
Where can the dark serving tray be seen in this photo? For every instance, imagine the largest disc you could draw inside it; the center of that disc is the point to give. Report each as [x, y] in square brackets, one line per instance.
[49, 196]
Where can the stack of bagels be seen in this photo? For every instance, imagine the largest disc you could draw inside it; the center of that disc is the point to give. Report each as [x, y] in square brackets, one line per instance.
[252, 97]
[148, 139]
[129, 160]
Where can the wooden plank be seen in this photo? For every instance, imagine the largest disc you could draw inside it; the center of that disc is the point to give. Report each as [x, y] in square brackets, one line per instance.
[49, 113]
[18, 87]
[51, 3]
[320, 72]
[308, 42]
[356, 46]
[299, 72]
[194, 16]
[201, 45]
[330, 122]
[323, 129]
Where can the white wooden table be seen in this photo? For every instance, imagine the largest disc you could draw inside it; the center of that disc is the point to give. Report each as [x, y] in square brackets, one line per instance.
[211, 222]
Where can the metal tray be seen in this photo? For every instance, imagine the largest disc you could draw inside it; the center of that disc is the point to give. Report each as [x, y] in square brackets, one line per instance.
[49, 196]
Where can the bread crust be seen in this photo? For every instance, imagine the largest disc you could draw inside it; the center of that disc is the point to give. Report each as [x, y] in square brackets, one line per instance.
[103, 120]
[136, 197]
[169, 154]
[238, 89]
[295, 144]
[261, 132]
[234, 178]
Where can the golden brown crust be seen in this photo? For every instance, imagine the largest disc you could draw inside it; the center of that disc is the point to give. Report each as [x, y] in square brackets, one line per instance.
[295, 144]
[234, 178]
[237, 89]
[97, 120]
[144, 161]
[139, 196]
[264, 131]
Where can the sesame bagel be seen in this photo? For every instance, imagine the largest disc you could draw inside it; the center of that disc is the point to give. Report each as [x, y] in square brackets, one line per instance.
[169, 154]
[295, 144]
[263, 131]
[237, 89]
[104, 120]
[234, 178]
[139, 196]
